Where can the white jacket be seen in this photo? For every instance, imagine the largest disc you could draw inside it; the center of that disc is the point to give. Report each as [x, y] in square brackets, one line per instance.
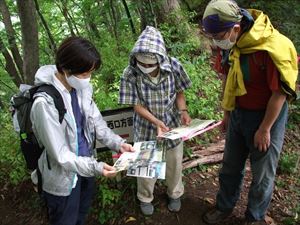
[60, 139]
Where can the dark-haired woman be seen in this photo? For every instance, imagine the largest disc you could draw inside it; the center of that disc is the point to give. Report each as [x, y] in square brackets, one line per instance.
[67, 166]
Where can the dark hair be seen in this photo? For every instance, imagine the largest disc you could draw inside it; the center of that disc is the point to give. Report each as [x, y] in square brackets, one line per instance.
[77, 55]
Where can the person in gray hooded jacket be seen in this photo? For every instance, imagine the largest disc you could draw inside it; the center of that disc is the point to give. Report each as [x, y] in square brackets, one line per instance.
[68, 183]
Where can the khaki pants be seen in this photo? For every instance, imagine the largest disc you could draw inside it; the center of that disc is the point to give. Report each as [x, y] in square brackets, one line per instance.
[145, 186]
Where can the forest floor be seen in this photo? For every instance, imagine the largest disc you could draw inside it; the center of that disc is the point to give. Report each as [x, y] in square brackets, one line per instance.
[19, 205]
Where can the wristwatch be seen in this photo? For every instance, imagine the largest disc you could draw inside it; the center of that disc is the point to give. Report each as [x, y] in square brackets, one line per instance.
[183, 110]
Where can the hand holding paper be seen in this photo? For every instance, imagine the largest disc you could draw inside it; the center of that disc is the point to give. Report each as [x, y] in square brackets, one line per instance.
[196, 127]
[109, 171]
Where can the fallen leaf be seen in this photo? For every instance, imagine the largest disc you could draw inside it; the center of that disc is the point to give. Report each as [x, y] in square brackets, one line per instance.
[209, 200]
[130, 219]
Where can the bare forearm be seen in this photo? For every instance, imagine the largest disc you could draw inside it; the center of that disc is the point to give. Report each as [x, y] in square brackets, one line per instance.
[180, 101]
[143, 112]
[273, 109]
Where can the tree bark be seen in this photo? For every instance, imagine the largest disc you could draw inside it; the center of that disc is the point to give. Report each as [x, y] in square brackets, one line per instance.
[65, 14]
[89, 19]
[165, 8]
[44, 22]
[205, 160]
[187, 5]
[30, 40]
[211, 154]
[147, 15]
[10, 65]
[114, 20]
[129, 17]
[1, 104]
[11, 36]
[72, 21]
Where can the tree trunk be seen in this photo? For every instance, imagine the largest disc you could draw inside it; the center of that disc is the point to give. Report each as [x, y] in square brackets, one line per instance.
[114, 20]
[105, 13]
[147, 14]
[30, 40]
[89, 19]
[11, 36]
[10, 65]
[71, 19]
[1, 105]
[187, 5]
[165, 8]
[129, 17]
[65, 14]
[44, 22]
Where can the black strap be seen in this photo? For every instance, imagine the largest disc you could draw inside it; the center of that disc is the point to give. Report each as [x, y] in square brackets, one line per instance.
[58, 100]
[40, 181]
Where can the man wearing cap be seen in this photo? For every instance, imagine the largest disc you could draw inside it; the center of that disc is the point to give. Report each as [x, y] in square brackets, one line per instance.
[260, 65]
[154, 84]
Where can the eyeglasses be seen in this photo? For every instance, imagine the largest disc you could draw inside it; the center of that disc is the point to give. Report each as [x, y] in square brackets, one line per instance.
[146, 65]
[217, 36]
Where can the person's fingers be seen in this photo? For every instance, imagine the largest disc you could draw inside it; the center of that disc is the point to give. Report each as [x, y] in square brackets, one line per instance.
[108, 167]
[258, 145]
[159, 131]
[165, 128]
[108, 173]
[131, 148]
[126, 148]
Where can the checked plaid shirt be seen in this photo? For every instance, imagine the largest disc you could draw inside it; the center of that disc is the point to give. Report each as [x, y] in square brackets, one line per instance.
[136, 88]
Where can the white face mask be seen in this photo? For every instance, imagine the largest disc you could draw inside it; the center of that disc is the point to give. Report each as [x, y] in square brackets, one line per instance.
[146, 70]
[225, 44]
[78, 83]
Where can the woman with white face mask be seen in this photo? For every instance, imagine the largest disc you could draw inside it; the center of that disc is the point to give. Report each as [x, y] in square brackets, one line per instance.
[67, 166]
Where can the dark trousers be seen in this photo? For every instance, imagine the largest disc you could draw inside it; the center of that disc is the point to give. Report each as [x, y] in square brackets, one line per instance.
[239, 145]
[72, 209]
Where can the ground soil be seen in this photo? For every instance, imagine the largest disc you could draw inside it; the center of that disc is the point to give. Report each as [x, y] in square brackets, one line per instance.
[19, 205]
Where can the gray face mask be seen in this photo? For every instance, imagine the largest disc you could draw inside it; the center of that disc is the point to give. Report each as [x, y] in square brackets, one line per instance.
[225, 44]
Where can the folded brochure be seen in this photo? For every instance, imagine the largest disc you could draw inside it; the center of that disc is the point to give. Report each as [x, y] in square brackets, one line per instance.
[196, 127]
[147, 161]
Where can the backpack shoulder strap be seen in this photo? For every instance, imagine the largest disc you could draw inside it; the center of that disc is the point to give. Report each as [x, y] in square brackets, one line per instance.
[58, 100]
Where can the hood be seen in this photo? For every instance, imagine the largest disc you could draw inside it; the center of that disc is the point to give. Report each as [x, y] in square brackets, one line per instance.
[259, 33]
[45, 75]
[262, 36]
[151, 41]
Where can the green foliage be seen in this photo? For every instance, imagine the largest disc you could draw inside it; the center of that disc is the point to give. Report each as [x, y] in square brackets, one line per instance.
[11, 160]
[293, 220]
[115, 42]
[294, 115]
[288, 162]
[203, 97]
[284, 15]
[115, 59]
[108, 197]
[188, 152]
[180, 39]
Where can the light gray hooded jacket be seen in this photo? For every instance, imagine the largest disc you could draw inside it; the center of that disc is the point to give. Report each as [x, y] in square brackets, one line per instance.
[60, 139]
